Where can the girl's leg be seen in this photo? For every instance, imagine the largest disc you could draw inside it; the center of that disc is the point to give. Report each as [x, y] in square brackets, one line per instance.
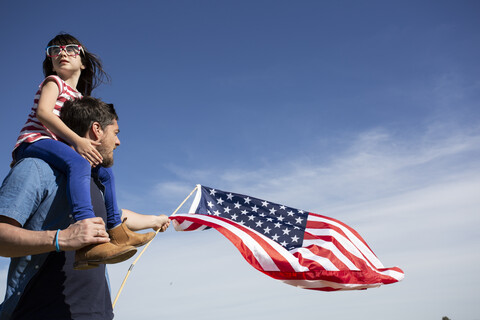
[75, 167]
[114, 215]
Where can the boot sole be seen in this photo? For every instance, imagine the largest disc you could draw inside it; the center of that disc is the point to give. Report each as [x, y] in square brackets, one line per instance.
[120, 257]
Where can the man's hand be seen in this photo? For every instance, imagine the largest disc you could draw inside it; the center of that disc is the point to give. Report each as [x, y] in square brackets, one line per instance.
[82, 233]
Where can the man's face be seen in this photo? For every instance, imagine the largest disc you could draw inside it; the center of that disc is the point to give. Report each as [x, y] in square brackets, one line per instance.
[108, 143]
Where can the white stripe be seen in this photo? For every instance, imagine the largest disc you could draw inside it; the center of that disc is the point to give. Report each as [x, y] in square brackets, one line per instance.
[357, 242]
[324, 262]
[394, 274]
[255, 248]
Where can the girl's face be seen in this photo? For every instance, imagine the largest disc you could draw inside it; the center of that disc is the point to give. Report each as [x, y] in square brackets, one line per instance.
[66, 65]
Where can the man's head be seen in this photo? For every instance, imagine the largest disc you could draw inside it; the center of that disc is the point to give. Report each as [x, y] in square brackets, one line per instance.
[96, 120]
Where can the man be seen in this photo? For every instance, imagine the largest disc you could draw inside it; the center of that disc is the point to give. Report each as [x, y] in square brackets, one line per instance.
[42, 283]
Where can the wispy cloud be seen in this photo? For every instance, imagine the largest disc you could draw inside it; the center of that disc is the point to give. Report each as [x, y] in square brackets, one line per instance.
[377, 163]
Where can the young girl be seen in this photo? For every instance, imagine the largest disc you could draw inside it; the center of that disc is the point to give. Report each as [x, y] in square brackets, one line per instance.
[71, 71]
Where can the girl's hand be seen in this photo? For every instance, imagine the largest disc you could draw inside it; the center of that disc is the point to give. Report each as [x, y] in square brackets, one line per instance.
[86, 148]
[161, 223]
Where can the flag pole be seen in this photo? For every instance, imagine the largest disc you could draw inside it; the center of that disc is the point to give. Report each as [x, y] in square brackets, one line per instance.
[145, 248]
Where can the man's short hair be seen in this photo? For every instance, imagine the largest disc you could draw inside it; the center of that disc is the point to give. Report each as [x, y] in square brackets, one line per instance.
[80, 114]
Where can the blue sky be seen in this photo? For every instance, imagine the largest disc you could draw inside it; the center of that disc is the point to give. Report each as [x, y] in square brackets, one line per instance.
[367, 112]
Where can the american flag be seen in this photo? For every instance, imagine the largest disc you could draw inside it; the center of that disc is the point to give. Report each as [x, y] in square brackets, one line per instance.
[300, 248]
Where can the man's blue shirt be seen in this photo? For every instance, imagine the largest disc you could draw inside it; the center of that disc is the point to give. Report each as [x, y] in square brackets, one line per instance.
[34, 195]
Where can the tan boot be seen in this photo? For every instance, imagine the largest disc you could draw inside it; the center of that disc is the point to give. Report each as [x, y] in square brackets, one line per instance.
[122, 235]
[104, 253]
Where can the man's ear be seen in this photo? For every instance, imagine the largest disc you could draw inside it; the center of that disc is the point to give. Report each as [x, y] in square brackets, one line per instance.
[96, 131]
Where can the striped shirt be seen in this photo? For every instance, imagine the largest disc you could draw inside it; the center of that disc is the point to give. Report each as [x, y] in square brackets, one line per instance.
[34, 130]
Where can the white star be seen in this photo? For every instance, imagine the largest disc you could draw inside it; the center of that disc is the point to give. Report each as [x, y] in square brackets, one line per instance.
[229, 196]
[272, 210]
[251, 217]
[275, 237]
[283, 243]
[212, 192]
[300, 211]
[220, 201]
[280, 218]
[254, 208]
[267, 230]
[244, 212]
[258, 223]
[210, 204]
[237, 205]
[277, 225]
[286, 231]
[291, 213]
[295, 239]
[262, 215]
[269, 219]
[242, 222]
[234, 216]
[264, 204]
[216, 212]
[299, 220]
[247, 200]
[227, 210]
[282, 207]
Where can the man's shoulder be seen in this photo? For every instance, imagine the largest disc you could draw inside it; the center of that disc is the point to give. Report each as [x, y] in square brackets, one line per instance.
[33, 165]
[33, 168]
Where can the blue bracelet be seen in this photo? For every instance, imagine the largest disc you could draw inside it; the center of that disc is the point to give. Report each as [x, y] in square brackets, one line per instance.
[57, 247]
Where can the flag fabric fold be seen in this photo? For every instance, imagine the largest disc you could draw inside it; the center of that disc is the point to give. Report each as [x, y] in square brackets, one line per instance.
[300, 248]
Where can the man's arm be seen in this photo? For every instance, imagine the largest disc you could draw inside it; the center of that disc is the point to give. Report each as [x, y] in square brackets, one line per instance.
[17, 242]
[137, 221]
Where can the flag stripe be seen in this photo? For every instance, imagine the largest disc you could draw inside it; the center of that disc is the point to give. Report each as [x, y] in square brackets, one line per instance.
[307, 258]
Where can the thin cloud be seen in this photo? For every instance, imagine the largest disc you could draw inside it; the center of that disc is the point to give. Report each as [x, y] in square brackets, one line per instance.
[377, 163]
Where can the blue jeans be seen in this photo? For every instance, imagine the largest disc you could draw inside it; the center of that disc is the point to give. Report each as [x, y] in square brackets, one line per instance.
[78, 172]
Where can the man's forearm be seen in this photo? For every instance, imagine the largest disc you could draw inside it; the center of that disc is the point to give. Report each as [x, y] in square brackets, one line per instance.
[18, 242]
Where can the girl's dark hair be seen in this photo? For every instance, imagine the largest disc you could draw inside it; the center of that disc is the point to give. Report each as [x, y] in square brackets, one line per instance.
[91, 77]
